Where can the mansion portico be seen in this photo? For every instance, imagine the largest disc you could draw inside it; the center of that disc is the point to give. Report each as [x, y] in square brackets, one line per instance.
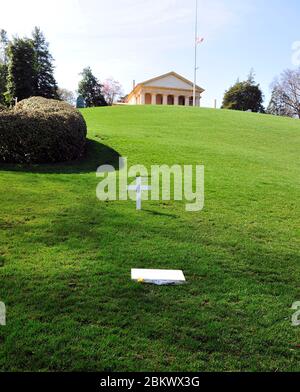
[168, 89]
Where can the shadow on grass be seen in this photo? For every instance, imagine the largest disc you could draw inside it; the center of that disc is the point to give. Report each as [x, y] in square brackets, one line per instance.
[97, 154]
[156, 213]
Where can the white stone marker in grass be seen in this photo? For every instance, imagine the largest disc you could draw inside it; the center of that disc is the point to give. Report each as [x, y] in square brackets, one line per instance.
[139, 188]
[158, 277]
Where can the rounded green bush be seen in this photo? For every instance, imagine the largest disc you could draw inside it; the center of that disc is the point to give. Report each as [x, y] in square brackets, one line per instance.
[40, 130]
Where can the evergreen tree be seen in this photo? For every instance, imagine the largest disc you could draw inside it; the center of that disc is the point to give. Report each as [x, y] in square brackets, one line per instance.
[3, 78]
[44, 83]
[90, 89]
[244, 96]
[21, 70]
[3, 64]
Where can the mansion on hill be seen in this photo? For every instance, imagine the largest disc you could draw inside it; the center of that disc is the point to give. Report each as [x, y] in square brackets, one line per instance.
[168, 89]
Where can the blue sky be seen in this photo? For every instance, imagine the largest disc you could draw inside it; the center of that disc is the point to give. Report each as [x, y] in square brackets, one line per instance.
[140, 39]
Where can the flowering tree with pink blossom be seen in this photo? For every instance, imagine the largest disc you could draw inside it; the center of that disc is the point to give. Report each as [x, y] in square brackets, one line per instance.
[111, 90]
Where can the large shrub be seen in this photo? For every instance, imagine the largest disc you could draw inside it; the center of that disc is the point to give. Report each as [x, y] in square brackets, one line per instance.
[244, 96]
[40, 130]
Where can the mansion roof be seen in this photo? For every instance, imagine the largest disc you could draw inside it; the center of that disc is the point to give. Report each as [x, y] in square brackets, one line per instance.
[168, 81]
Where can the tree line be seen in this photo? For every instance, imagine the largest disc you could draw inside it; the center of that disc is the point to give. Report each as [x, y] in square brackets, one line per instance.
[27, 70]
[93, 93]
[248, 96]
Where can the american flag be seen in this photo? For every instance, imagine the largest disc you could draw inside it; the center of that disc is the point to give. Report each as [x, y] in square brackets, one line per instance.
[199, 40]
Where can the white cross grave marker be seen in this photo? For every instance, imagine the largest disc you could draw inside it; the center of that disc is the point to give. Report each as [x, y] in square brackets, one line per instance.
[139, 188]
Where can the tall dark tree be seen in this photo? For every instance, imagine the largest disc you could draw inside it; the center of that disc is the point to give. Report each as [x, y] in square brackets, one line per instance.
[3, 64]
[44, 83]
[244, 96]
[21, 70]
[3, 77]
[91, 89]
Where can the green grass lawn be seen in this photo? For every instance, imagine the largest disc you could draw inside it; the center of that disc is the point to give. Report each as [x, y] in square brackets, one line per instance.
[65, 257]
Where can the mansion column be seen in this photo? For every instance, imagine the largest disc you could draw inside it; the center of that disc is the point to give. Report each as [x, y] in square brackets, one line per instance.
[176, 101]
[153, 99]
[165, 99]
[142, 98]
[187, 101]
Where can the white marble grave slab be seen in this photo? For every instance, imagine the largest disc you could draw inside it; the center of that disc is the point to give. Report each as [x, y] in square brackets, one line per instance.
[159, 277]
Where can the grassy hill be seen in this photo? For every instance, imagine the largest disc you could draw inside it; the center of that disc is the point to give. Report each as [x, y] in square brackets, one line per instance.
[65, 257]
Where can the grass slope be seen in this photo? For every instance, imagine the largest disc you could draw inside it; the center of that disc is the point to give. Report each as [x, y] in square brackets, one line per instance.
[65, 257]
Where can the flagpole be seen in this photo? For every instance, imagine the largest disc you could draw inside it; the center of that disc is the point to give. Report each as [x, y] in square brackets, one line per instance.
[195, 69]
